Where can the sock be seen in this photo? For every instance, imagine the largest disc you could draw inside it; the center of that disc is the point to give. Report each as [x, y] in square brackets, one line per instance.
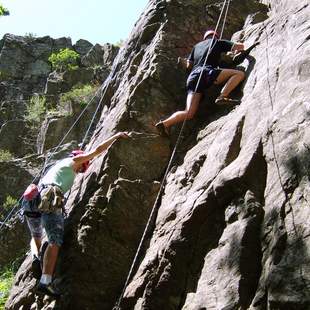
[46, 279]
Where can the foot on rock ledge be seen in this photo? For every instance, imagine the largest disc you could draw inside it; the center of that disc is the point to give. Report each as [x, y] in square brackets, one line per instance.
[225, 101]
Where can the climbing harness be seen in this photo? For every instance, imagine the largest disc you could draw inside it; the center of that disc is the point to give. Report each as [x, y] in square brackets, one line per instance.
[158, 197]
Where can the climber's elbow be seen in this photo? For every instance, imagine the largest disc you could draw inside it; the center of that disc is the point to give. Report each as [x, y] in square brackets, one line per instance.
[238, 47]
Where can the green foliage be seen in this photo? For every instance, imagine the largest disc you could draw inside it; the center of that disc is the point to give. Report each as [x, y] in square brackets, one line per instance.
[36, 109]
[7, 277]
[4, 11]
[78, 94]
[5, 155]
[4, 76]
[9, 203]
[65, 59]
[6, 282]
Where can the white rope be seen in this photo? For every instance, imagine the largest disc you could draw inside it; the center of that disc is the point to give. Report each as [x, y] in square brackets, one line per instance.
[106, 84]
[117, 305]
[93, 118]
[225, 17]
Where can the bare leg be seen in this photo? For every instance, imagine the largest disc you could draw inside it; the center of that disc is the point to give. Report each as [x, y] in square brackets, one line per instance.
[50, 258]
[192, 103]
[233, 79]
[35, 245]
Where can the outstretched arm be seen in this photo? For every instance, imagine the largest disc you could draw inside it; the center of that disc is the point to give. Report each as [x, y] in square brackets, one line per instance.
[80, 159]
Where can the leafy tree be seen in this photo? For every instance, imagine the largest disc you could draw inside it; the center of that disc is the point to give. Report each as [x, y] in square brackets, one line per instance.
[36, 109]
[5, 155]
[4, 11]
[6, 282]
[65, 59]
[7, 206]
[79, 93]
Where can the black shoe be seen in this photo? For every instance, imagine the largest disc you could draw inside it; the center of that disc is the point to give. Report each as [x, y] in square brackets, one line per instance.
[48, 289]
[36, 268]
[161, 129]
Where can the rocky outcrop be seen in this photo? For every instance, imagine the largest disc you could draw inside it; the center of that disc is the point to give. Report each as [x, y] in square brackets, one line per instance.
[231, 228]
[13, 128]
[14, 239]
[57, 125]
[10, 185]
[100, 55]
[61, 82]
[82, 47]
[25, 71]
[24, 58]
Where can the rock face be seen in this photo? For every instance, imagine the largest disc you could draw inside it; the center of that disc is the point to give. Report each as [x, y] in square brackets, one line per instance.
[231, 228]
[24, 58]
[25, 71]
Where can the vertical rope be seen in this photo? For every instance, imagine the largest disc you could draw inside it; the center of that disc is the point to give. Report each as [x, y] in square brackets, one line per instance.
[117, 305]
[225, 17]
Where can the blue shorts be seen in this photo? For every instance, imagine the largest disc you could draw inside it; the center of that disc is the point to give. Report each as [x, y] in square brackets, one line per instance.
[208, 76]
[53, 224]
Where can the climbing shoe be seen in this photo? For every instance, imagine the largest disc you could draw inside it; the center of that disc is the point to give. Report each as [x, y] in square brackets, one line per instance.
[36, 267]
[162, 129]
[48, 289]
[225, 101]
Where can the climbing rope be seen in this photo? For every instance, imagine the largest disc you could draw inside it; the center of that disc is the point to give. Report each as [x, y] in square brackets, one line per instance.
[93, 118]
[225, 17]
[158, 197]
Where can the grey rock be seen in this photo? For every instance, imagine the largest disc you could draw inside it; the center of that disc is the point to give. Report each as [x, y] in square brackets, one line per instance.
[17, 130]
[231, 229]
[100, 55]
[93, 57]
[62, 82]
[82, 46]
[61, 43]
[39, 67]
[14, 239]
[109, 53]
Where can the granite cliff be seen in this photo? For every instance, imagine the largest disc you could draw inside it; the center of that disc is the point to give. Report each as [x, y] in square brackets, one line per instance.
[231, 229]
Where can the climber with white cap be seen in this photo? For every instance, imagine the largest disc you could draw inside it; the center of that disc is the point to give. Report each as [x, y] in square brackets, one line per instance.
[203, 61]
[43, 208]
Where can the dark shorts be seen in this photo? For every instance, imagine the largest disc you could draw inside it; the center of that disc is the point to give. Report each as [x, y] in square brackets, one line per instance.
[208, 76]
